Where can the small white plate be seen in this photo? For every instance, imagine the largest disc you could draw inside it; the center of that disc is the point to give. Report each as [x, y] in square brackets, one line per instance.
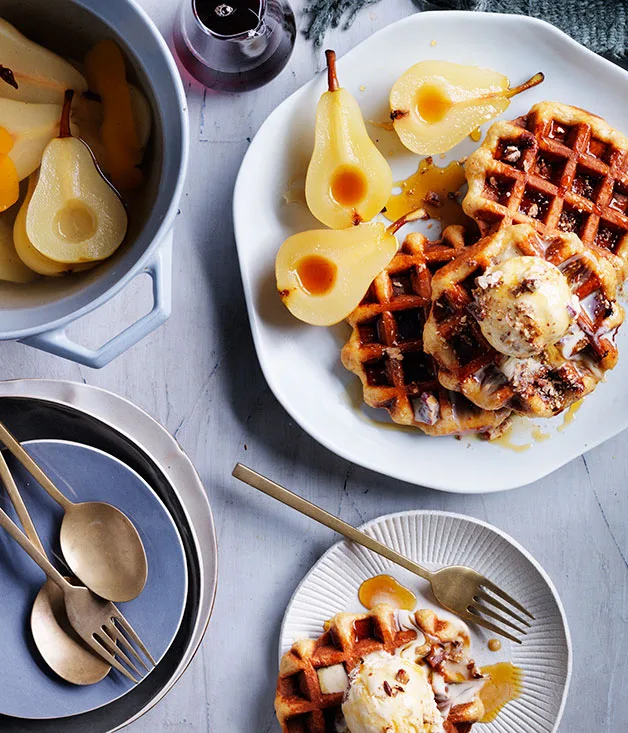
[302, 363]
[435, 539]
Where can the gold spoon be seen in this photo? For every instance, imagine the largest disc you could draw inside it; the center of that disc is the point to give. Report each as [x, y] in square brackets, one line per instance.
[99, 543]
[59, 645]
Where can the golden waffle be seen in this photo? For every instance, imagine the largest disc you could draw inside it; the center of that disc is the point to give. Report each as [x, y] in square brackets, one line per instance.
[386, 346]
[558, 168]
[549, 382]
[301, 705]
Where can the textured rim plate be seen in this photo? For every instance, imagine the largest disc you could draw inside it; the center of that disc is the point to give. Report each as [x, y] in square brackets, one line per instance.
[29, 688]
[436, 539]
[302, 363]
[39, 408]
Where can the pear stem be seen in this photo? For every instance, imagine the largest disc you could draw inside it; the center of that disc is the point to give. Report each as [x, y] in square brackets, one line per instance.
[533, 81]
[406, 219]
[64, 127]
[332, 79]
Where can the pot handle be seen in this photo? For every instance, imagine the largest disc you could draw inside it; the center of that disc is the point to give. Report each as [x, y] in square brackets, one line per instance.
[57, 341]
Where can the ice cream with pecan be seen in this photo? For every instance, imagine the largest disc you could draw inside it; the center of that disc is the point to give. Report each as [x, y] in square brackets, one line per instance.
[392, 694]
[523, 305]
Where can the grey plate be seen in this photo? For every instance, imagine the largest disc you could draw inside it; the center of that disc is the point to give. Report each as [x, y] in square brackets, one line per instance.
[36, 409]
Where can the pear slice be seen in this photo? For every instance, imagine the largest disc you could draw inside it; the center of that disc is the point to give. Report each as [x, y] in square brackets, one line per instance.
[40, 75]
[24, 249]
[436, 104]
[12, 269]
[348, 180]
[88, 115]
[74, 214]
[32, 127]
[106, 71]
[9, 183]
[323, 274]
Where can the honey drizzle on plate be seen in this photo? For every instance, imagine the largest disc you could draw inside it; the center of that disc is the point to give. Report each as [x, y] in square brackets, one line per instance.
[504, 683]
[570, 416]
[428, 180]
[385, 589]
[504, 441]
[539, 436]
[475, 135]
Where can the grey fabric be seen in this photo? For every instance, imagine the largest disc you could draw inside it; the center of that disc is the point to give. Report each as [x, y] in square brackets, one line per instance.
[601, 25]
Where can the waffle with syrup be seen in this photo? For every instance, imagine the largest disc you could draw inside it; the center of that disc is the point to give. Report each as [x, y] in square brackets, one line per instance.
[386, 345]
[558, 168]
[547, 383]
[313, 667]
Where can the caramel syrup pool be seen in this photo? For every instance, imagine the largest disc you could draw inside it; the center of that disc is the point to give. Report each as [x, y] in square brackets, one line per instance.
[385, 589]
[504, 683]
[316, 274]
[432, 103]
[349, 186]
[433, 188]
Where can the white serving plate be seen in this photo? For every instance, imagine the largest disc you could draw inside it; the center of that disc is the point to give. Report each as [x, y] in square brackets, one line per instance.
[302, 363]
[436, 539]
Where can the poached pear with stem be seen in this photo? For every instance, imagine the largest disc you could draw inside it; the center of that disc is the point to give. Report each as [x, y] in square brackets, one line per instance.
[348, 180]
[434, 105]
[74, 214]
[322, 274]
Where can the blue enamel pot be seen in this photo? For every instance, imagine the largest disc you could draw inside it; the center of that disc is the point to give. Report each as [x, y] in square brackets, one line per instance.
[39, 313]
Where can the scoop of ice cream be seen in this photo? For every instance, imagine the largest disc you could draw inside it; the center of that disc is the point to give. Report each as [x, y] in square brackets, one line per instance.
[524, 305]
[388, 694]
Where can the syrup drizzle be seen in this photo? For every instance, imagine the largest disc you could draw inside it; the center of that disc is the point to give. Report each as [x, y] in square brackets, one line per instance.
[504, 683]
[505, 441]
[570, 415]
[348, 186]
[432, 103]
[316, 274]
[385, 589]
[433, 188]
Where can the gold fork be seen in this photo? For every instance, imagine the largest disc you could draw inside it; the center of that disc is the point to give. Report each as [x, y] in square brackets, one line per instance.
[459, 589]
[95, 620]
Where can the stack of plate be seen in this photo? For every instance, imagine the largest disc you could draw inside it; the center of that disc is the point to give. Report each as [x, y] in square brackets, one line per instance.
[97, 446]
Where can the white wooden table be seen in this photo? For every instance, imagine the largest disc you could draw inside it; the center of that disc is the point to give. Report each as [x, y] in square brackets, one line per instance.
[200, 377]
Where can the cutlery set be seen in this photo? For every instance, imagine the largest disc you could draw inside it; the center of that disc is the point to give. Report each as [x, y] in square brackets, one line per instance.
[104, 551]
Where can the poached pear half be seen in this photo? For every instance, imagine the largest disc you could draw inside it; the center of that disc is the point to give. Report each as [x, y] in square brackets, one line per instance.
[40, 75]
[434, 105]
[348, 180]
[74, 214]
[322, 274]
[31, 257]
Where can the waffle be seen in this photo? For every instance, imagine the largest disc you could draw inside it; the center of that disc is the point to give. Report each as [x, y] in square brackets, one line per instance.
[300, 704]
[539, 386]
[386, 345]
[558, 168]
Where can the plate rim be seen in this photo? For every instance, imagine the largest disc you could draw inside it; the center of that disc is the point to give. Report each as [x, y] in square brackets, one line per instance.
[492, 483]
[118, 413]
[479, 522]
